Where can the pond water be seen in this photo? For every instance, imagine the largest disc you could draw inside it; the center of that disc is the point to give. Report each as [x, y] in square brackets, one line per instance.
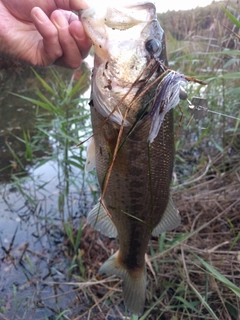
[36, 201]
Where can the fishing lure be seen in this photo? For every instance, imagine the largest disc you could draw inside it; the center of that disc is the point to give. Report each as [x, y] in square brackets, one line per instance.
[167, 97]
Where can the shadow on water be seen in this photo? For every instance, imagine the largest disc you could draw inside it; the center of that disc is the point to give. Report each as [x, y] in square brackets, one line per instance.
[18, 115]
[39, 207]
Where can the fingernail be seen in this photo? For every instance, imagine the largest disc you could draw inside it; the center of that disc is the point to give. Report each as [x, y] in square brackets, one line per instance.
[60, 21]
[79, 39]
[79, 34]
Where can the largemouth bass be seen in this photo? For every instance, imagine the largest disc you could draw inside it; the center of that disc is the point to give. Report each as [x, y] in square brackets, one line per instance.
[132, 148]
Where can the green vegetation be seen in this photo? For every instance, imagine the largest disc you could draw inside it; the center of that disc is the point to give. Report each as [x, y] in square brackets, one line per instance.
[62, 125]
[210, 58]
[61, 122]
[209, 23]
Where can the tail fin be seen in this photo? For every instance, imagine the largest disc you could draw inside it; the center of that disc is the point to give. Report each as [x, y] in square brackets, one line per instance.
[134, 283]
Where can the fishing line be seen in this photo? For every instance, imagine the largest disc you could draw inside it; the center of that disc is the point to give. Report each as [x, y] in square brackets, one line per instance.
[224, 115]
[196, 108]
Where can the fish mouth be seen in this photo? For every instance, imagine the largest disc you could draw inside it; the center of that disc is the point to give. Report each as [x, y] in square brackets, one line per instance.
[130, 15]
[101, 23]
[126, 39]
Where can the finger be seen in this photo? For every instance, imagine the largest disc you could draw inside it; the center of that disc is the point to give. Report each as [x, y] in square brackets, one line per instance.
[77, 31]
[49, 48]
[71, 54]
[71, 4]
[83, 42]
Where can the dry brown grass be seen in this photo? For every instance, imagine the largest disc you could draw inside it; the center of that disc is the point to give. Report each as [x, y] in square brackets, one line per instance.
[178, 283]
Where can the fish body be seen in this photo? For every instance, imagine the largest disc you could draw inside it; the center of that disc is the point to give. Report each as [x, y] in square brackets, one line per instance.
[136, 200]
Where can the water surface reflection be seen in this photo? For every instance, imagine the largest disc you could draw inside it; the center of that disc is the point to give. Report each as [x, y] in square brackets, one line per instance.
[37, 197]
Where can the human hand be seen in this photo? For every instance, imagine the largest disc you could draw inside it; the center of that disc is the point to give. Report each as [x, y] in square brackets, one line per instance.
[37, 32]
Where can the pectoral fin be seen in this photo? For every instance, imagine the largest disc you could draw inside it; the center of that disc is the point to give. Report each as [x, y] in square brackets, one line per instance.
[99, 220]
[91, 158]
[169, 221]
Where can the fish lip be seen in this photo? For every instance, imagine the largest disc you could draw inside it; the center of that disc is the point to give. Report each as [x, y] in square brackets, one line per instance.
[147, 6]
[124, 17]
[121, 17]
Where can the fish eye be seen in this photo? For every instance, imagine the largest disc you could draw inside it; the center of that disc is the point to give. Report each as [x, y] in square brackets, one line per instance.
[152, 46]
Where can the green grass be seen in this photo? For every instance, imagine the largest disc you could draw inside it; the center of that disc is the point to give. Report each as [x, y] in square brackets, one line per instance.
[62, 121]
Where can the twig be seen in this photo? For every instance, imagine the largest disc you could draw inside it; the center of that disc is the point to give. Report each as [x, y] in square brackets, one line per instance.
[121, 101]
[233, 32]
[196, 179]
[82, 285]
[193, 79]
[100, 300]
[191, 248]
[3, 316]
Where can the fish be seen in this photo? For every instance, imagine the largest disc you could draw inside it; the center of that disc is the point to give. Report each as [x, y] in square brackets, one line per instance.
[132, 147]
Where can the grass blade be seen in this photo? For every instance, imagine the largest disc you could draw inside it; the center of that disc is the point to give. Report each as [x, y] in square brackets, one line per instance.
[203, 301]
[232, 18]
[44, 83]
[218, 276]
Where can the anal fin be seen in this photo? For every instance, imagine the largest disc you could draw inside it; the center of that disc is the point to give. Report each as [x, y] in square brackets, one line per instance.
[170, 220]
